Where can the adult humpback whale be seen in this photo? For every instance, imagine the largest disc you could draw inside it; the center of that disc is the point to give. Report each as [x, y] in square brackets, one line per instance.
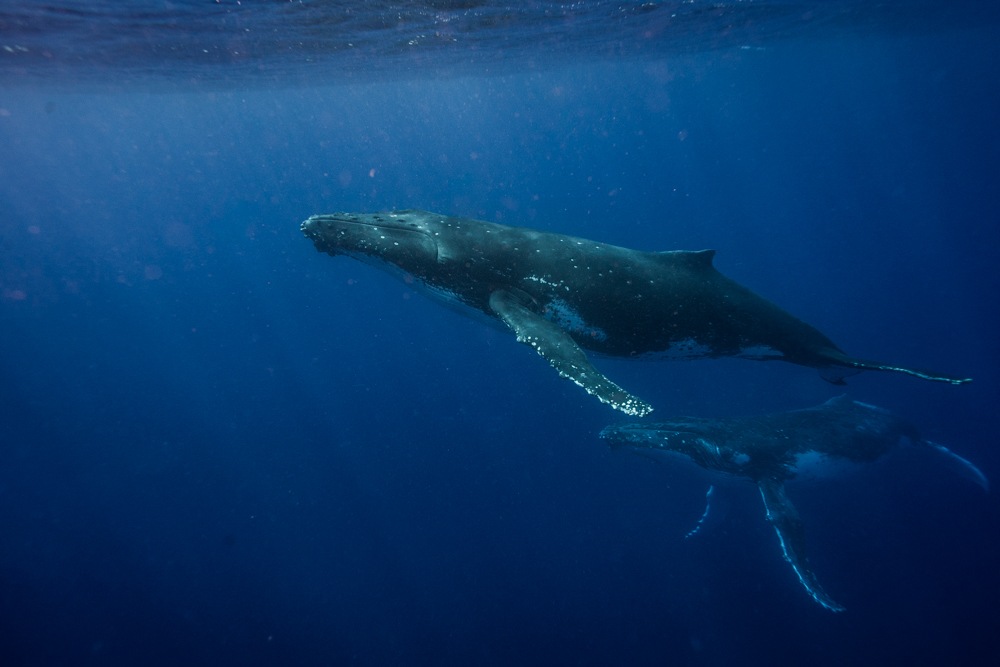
[561, 293]
[770, 449]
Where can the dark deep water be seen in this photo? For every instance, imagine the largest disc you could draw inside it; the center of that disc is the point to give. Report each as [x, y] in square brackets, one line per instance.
[220, 447]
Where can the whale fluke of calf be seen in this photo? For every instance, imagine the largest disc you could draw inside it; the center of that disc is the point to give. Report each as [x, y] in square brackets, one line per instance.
[563, 295]
[770, 449]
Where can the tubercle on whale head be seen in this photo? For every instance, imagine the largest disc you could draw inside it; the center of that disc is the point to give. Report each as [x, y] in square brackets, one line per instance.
[312, 228]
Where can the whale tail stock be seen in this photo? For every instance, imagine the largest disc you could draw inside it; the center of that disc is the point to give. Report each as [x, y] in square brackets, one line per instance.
[836, 358]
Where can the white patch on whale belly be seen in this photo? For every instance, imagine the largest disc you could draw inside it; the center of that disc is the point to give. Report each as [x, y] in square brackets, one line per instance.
[816, 465]
[561, 313]
[687, 348]
[759, 352]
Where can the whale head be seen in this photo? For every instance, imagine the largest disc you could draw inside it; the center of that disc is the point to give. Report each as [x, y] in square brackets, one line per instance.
[692, 439]
[390, 240]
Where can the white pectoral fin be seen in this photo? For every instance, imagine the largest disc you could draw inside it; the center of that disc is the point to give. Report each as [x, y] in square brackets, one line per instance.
[561, 351]
[785, 518]
[704, 515]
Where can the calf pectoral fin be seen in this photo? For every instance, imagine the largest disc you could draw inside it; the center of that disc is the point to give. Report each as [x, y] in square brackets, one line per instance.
[785, 518]
[559, 349]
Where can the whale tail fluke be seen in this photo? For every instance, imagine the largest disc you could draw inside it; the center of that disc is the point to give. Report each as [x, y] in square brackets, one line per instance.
[839, 359]
[963, 466]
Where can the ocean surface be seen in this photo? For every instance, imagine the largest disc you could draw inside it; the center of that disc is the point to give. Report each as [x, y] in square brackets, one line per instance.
[221, 447]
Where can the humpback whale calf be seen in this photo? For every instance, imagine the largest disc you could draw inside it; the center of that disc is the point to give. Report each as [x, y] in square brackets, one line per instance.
[769, 450]
[562, 295]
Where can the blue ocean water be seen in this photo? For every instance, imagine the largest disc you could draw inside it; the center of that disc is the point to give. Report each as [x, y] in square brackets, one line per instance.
[219, 446]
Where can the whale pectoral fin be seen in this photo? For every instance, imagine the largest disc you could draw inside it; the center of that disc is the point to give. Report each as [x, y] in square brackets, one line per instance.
[559, 349]
[785, 518]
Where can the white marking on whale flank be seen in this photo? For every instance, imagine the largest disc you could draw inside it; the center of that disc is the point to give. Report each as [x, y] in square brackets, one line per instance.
[563, 314]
